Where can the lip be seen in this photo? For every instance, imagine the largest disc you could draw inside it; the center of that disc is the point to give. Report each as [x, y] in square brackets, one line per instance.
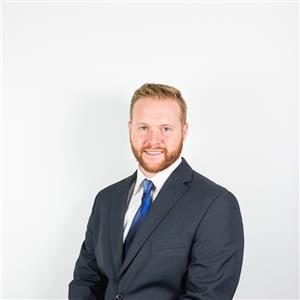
[153, 152]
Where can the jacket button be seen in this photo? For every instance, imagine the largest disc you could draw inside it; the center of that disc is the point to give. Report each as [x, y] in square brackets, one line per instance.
[119, 297]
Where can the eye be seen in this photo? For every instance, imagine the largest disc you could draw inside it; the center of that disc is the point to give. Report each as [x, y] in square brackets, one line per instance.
[143, 128]
[166, 129]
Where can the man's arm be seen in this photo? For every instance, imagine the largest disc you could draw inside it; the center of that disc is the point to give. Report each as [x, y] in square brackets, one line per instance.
[88, 283]
[217, 252]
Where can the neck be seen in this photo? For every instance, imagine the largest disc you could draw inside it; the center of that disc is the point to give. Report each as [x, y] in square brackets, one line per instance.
[146, 173]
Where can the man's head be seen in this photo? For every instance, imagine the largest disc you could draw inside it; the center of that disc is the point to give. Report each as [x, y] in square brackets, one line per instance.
[157, 126]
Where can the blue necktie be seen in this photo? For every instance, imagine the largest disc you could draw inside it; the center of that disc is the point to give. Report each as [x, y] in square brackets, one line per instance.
[140, 214]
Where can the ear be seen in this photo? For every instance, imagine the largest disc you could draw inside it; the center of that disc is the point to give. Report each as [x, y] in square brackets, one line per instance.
[185, 130]
[129, 125]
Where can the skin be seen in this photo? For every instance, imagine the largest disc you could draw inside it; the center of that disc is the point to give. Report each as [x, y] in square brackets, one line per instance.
[156, 133]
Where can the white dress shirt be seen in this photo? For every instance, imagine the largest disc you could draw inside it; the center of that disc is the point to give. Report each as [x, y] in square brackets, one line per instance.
[136, 199]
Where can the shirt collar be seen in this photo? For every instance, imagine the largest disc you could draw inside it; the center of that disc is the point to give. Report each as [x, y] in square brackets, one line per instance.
[158, 179]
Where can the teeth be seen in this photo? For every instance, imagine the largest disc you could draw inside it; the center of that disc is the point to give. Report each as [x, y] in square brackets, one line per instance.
[154, 152]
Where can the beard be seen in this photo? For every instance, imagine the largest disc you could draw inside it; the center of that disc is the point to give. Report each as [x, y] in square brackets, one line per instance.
[169, 157]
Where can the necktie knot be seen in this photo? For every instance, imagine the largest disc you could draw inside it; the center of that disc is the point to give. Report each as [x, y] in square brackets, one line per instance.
[147, 185]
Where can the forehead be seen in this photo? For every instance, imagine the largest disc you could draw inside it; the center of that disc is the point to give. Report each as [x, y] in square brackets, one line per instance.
[156, 109]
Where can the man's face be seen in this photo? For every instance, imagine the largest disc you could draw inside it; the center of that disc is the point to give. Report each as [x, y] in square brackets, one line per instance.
[156, 133]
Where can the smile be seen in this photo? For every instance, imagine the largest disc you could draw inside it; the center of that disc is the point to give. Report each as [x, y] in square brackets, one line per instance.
[154, 153]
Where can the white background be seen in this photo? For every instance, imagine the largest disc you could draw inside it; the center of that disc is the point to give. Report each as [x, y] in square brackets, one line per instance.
[69, 72]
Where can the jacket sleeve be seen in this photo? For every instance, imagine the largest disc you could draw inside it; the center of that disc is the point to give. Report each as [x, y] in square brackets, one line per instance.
[87, 283]
[217, 252]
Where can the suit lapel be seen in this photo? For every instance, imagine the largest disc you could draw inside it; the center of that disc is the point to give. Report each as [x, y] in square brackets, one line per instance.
[116, 219]
[170, 193]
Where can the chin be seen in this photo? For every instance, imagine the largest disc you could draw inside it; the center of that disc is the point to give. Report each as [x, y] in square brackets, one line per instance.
[154, 167]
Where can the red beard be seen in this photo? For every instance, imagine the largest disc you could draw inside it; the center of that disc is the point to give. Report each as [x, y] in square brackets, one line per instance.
[169, 157]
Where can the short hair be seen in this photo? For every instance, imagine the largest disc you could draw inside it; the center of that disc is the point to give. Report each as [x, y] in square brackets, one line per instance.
[160, 91]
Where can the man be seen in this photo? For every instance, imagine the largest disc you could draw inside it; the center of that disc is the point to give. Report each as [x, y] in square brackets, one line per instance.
[166, 232]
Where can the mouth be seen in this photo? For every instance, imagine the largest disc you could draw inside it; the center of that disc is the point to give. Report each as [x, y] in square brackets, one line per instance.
[154, 152]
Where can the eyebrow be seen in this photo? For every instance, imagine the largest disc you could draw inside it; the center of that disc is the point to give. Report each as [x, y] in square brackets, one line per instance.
[161, 125]
[141, 123]
[166, 125]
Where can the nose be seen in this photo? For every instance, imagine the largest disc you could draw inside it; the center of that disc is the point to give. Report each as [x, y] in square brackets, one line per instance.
[154, 137]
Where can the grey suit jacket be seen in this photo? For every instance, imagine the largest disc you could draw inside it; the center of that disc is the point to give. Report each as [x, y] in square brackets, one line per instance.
[190, 246]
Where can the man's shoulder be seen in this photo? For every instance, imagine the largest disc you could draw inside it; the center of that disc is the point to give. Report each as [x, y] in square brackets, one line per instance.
[108, 190]
[202, 180]
[206, 185]
[197, 179]
[203, 192]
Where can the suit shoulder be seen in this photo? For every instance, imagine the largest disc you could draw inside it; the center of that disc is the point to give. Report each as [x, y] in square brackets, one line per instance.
[211, 192]
[209, 186]
[112, 187]
[203, 181]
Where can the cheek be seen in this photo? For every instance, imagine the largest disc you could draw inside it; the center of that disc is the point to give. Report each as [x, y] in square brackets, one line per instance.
[137, 139]
[172, 141]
